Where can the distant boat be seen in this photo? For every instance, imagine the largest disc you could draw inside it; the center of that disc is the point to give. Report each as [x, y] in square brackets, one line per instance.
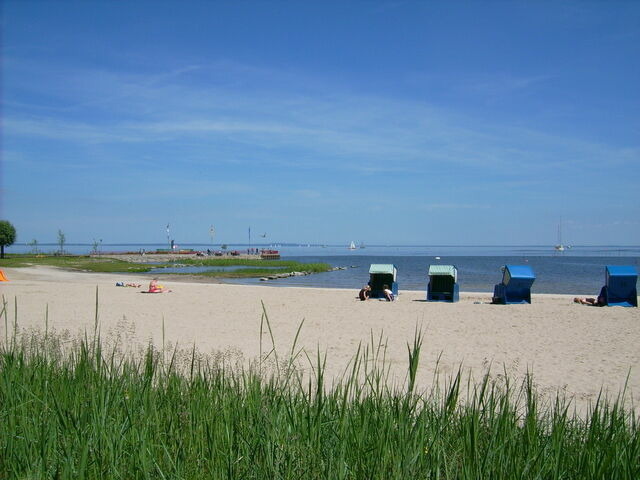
[352, 246]
[362, 245]
[560, 247]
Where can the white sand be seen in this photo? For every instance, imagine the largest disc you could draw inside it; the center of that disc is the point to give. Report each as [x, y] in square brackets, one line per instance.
[574, 349]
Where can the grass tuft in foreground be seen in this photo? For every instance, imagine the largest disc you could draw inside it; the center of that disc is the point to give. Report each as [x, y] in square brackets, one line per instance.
[88, 413]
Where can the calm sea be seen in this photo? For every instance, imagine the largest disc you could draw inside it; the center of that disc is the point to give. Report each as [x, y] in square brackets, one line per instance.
[579, 270]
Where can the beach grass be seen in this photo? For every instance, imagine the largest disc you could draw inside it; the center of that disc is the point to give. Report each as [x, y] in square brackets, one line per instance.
[81, 410]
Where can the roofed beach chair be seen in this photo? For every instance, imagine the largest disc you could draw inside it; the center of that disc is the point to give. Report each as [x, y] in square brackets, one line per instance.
[381, 274]
[620, 286]
[443, 284]
[515, 286]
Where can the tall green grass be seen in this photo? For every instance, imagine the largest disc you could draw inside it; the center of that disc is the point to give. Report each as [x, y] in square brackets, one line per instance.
[86, 412]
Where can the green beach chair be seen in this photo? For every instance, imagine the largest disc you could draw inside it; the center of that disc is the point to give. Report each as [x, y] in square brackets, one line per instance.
[443, 284]
[383, 274]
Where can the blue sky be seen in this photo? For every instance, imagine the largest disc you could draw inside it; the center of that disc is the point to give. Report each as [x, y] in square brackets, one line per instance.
[465, 123]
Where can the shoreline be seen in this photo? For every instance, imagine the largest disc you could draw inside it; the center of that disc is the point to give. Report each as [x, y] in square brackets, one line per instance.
[573, 350]
[583, 279]
[14, 272]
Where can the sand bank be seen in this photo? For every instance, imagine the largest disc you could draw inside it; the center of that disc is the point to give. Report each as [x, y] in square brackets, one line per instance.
[574, 349]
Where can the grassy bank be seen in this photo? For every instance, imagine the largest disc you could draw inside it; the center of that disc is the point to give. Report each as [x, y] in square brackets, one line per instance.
[83, 412]
[74, 262]
[259, 268]
[110, 265]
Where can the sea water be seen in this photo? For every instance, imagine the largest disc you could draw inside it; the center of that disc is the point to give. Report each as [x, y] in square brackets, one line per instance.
[554, 274]
[578, 271]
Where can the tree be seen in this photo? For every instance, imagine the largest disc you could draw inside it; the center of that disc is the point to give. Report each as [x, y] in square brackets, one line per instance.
[61, 240]
[34, 246]
[96, 246]
[7, 235]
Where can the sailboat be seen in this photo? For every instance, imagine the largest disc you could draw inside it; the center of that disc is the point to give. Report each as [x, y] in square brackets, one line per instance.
[352, 246]
[560, 247]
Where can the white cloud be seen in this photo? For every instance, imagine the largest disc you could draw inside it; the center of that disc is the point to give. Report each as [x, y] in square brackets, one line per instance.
[285, 122]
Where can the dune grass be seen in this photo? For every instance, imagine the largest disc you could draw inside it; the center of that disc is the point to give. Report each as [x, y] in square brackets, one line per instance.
[83, 412]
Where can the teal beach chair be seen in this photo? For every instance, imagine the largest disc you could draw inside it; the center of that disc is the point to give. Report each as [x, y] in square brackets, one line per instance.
[443, 284]
[381, 274]
[620, 286]
[515, 286]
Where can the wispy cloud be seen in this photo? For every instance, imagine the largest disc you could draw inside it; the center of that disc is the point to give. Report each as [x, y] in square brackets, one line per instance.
[501, 84]
[482, 87]
[284, 124]
[453, 206]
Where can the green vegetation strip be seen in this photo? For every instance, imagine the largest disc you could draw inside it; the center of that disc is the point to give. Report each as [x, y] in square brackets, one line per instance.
[276, 267]
[110, 265]
[75, 262]
[88, 413]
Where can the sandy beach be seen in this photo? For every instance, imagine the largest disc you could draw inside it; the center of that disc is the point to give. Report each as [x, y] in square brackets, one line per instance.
[574, 349]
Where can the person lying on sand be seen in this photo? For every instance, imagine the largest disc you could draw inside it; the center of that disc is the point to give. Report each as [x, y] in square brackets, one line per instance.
[122, 284]
[601, 301]
[155, 287]
[588, 301]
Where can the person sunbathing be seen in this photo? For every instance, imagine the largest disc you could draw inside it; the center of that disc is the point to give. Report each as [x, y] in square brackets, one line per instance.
[586, 301]
[601, 301]
[155, 287]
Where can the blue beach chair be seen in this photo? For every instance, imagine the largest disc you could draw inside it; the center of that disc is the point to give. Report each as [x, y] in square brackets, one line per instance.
[620, 286]
[515, 286]
[381, 274]
[443, 284]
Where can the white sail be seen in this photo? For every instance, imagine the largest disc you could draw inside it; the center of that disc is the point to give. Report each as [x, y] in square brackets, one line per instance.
[352, 246]
[559, 247]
